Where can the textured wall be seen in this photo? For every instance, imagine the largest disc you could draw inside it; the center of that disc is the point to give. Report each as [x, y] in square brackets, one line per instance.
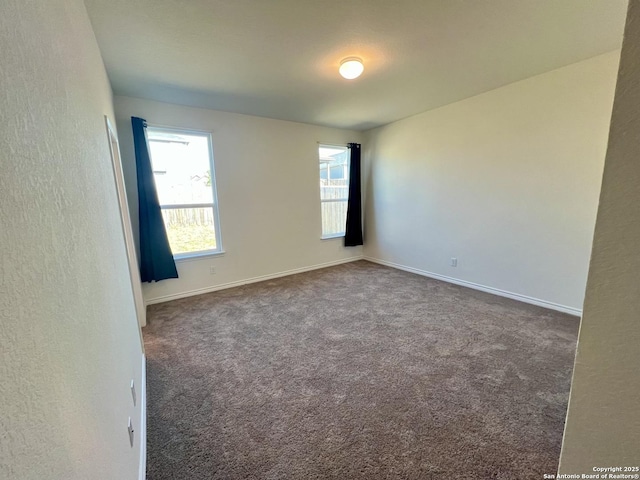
[268, 191]
[507, 182]
[603, 422]
[69, 342]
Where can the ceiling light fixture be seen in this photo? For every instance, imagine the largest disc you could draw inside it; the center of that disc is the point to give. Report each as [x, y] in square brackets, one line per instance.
[351, 68]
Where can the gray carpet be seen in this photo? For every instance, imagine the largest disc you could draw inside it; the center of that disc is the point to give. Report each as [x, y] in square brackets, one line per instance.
[355, 371]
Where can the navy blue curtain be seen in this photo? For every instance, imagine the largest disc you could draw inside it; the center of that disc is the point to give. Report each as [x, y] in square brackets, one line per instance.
[353, 231]
[156, 259]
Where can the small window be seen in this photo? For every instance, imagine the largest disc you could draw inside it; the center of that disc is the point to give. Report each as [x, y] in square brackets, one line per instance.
[182, 163]
[334, 189]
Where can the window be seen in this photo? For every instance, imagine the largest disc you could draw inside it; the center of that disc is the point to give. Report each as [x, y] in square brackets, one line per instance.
[334, 189]
[182, 163]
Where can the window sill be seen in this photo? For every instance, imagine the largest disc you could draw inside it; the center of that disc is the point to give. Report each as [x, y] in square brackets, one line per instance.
[330, 237]
[189, 257]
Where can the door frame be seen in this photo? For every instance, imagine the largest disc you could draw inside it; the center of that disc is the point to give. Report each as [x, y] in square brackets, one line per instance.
[127, 230]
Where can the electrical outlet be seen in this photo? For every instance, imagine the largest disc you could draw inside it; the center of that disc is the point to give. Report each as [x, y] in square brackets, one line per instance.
[212, 270]
[454, 262]
[133, 392]
[130, 429]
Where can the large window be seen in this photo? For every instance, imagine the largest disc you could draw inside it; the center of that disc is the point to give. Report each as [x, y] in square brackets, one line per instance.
[182, 163]
[334, 189]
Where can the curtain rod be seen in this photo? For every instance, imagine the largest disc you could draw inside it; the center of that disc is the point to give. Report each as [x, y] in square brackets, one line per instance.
[161, 126]
[333, 144]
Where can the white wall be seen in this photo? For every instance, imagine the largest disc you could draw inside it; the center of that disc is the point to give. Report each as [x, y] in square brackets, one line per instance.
[507, 182]
[603, 422]
[69, 340]
[268, 194]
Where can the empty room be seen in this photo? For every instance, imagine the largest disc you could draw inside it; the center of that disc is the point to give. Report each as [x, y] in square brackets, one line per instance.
[354, 239]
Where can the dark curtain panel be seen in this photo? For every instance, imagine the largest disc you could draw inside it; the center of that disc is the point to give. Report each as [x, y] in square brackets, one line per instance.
[353, 231]
[156, 259]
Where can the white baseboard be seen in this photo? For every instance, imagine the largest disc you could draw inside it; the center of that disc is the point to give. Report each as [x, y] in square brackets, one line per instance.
[262, 278]
[483, 288]
[142, 474]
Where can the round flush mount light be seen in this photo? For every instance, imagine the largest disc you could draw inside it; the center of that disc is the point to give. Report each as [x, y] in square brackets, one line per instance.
[351, 68]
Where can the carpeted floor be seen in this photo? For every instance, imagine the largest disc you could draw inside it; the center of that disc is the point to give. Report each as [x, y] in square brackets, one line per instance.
[355, 371]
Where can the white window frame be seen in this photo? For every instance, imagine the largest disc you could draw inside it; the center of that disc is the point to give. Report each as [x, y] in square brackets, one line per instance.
[214, 206]
[347, 171]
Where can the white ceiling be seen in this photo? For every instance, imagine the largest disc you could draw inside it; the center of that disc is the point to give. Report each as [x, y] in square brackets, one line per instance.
[280, 58]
